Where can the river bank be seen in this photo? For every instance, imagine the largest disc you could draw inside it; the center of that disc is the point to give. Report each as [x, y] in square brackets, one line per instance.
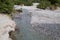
[6, 25]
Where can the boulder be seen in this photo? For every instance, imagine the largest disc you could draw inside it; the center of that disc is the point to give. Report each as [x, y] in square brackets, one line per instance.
[6, 25]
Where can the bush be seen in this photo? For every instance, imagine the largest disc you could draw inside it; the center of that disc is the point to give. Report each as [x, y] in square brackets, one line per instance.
[28, 3]
[6, 6]
[57, 4]
[44, 4]
[58, 1]
[18, 2]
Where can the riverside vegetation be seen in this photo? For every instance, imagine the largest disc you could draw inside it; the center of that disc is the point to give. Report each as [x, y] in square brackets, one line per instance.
[6, 6]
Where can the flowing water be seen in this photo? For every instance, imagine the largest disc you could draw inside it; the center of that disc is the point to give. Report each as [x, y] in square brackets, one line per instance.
[25, 30]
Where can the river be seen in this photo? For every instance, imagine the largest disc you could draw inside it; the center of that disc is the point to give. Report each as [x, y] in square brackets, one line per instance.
[25, 30]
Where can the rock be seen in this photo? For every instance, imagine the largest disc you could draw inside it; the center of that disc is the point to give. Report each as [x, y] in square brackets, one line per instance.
[6, 25]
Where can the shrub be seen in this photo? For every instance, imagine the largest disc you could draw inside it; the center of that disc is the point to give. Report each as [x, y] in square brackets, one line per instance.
[6, 6]
[28, 3]
[18, 2]
[57, 4]
[58, 1]
[44, 4]
[54, 4]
